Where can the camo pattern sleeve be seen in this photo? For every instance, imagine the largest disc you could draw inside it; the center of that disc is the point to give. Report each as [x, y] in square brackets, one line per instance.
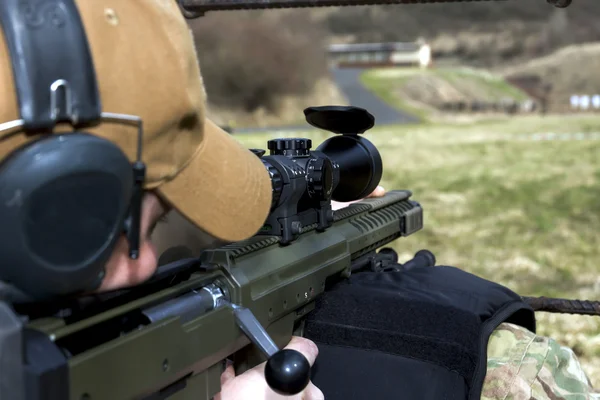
[524, 366]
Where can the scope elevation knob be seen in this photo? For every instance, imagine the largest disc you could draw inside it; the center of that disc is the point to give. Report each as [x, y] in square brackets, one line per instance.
[290, 147]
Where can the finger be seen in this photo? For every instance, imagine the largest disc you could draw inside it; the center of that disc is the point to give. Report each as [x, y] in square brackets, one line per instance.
[307, 347]
[227, 375]
[312, 393]
[336, 205]
[378, 192]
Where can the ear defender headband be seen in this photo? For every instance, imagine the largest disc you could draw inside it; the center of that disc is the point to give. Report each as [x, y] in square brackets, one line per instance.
[65, 199]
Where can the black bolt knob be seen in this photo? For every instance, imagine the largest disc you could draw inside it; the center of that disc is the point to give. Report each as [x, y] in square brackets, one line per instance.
[287, 372]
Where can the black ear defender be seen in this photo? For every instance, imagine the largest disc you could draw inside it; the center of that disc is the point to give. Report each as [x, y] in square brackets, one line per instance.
[65, 199]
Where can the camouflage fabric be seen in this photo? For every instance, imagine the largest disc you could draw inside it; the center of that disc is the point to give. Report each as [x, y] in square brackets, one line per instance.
[524, 366]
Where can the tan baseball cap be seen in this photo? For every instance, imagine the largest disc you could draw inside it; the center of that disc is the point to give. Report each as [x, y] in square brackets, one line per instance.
[146, 65]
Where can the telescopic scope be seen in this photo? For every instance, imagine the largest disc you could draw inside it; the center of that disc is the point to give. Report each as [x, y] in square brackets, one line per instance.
[343, 168]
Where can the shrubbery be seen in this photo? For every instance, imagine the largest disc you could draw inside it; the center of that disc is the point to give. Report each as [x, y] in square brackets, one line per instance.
[250, 60]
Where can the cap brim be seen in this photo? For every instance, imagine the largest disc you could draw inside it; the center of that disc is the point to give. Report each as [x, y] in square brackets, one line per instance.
[225, 190]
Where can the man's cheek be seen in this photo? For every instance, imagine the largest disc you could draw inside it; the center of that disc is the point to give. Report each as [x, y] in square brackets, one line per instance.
[122, 271]
[176, 238]
[147, 263]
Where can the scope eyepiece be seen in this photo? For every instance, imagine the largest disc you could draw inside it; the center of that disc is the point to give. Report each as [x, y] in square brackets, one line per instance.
[360, 166]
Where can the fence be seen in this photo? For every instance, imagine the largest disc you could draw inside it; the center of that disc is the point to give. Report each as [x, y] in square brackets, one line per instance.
[585, 103]
[501, 106]
[541, 92]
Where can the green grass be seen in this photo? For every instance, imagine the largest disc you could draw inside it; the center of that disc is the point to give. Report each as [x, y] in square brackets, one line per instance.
[494, 86]
[522, 213]
[388, 85]
[381, 87]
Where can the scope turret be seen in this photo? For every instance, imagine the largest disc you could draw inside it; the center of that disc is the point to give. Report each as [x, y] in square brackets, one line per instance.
[289, 147]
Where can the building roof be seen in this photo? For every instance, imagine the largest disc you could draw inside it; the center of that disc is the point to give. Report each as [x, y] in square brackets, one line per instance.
[366, 47]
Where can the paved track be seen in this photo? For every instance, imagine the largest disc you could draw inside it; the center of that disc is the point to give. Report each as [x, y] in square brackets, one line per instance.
[348, 80]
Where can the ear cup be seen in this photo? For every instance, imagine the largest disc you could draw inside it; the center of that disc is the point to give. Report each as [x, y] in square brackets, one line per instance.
[63, 202]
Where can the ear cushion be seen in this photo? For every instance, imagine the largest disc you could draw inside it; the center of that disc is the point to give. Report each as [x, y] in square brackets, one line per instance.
[63, 201]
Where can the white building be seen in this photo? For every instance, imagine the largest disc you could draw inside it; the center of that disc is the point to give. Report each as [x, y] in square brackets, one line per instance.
[380, 54]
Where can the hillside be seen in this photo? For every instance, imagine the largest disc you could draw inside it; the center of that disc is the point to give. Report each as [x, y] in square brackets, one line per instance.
[479, 33]
[424, 92]
[267, 65]
[571, 70]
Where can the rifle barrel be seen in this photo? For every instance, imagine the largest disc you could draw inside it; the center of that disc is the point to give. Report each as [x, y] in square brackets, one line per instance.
[202, 6]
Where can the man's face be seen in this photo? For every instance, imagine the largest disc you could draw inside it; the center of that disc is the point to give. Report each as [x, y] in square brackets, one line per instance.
[164, 232]
[122, 271]
[176, 238]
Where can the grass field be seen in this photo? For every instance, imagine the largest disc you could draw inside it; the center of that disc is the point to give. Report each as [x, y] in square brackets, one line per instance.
[523, 213]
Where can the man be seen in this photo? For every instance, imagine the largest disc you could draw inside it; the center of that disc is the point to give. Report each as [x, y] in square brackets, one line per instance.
[146, 66]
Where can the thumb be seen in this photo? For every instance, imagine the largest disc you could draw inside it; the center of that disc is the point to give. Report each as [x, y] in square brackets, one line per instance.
[306, 347]
[252, 384]
[378, 192]
[309, 350]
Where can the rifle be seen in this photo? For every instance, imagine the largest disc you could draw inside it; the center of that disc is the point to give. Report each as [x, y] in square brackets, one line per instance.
[170, 337]
[197, 8]
[173, 336]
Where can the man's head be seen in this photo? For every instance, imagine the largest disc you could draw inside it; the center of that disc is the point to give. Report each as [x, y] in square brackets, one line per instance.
[146, 65]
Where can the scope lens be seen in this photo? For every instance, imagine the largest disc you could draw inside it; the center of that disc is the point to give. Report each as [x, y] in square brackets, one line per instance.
[359, 163]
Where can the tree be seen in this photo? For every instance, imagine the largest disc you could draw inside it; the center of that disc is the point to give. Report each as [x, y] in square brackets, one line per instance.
[249, 60]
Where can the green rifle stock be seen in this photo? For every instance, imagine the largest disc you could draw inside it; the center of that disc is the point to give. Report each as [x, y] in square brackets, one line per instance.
[175, 340]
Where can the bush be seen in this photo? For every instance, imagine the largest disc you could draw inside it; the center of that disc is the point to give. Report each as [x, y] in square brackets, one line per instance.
[250, 60]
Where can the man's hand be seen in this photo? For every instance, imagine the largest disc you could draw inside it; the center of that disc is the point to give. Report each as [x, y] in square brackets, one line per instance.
[378, 192]
[251, 385]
